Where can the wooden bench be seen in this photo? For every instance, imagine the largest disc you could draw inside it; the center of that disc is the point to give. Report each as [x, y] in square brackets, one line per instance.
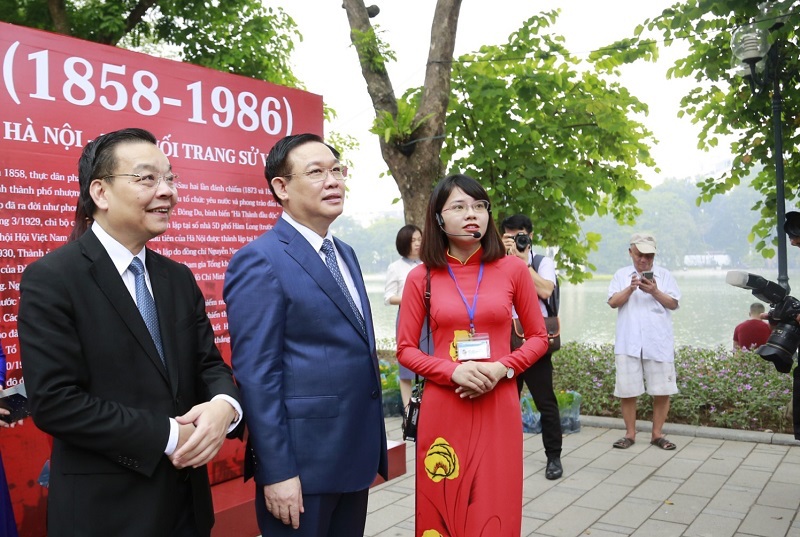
[233, 500]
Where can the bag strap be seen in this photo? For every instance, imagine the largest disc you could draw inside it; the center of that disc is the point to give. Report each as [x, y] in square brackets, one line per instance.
[537, 261]
[427, 297]
[516, 325]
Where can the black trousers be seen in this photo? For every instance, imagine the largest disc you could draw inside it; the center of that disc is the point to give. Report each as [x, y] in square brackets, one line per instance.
[539, 379]
[185, 526]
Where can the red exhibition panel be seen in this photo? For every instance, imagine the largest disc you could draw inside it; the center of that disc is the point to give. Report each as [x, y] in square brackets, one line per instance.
[57, 94]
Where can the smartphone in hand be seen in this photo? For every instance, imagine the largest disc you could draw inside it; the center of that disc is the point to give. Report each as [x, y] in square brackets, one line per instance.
[648, 275]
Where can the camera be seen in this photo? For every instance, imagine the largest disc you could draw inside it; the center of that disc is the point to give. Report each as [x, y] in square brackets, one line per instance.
[522, 240]
[785, 337]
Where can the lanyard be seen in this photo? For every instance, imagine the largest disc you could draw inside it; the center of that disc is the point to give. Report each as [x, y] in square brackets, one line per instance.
[470, 310]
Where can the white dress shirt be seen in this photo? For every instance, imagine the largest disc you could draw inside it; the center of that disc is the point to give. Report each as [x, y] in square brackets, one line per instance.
[316, 242]
[396, 275]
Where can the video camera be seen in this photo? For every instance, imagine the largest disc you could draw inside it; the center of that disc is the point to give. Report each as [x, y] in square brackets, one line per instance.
[785, 337]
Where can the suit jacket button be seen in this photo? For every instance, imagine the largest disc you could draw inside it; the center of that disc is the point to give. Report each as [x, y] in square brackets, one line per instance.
[374, 395]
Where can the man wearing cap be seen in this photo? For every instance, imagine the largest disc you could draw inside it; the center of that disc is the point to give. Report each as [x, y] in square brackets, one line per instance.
[644, 297]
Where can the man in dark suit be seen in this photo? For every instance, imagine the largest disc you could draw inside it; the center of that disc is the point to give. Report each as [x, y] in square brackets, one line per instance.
[120, 363]
[304, 355]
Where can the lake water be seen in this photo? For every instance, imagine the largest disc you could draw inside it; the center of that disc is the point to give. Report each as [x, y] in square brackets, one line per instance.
[709, 309]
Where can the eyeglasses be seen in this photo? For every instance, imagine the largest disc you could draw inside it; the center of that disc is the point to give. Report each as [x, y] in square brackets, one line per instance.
[315, 175]
[479, 207]
[149, 181]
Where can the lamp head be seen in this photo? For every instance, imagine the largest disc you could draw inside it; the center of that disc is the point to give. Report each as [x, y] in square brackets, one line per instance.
[749, 43]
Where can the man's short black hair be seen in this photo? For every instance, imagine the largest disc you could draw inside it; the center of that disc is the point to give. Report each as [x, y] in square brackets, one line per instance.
[98, 159]
[517, 221]
[792, 224]
[277, 164]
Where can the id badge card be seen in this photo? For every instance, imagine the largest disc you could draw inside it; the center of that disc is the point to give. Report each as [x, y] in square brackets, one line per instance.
[473, 347]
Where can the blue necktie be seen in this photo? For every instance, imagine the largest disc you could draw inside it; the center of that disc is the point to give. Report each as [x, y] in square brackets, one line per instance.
[146, 305]
[333, 266]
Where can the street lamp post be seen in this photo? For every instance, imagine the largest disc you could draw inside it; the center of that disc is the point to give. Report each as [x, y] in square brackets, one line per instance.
[750, 46]
[780, 198]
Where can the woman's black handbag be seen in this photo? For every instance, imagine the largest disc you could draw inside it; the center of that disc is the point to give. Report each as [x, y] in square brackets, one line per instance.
[411, 414]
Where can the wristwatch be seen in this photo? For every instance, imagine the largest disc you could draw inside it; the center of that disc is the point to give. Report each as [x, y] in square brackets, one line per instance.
[510, 373]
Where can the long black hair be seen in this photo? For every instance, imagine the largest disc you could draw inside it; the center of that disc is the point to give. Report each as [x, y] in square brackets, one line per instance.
[434, 240]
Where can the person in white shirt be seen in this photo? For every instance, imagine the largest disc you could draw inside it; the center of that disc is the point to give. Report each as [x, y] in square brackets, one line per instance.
[644, 297]
[408, 241]
[539, 376]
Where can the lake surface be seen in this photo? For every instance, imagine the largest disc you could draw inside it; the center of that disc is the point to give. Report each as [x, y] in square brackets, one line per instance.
[709, 309]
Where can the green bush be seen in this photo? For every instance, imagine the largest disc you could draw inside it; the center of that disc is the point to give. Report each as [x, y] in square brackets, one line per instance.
[565, 399]
[718, 387]
[389, 375]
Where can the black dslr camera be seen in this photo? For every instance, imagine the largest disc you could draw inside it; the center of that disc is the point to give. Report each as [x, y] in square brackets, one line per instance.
[522, 240]
[785, 337]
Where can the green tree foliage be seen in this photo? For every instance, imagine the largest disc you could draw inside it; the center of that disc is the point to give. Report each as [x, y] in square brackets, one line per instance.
[546, 139]
[716, 227]
[237, 36]
[722, 103]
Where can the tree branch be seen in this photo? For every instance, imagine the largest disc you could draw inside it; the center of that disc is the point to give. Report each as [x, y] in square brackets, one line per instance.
[436, 91]
[379, 86]
[137, 13]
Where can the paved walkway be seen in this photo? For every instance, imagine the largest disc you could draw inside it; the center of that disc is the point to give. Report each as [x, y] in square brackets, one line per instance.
[717, 483]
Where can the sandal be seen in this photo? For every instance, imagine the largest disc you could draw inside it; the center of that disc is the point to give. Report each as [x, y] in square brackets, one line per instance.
[663, 443]
[624, 443]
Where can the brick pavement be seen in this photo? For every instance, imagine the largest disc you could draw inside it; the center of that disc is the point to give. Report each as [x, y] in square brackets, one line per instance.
[717, 483]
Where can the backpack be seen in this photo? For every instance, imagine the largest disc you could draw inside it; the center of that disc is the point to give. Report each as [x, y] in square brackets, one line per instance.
[554, 301]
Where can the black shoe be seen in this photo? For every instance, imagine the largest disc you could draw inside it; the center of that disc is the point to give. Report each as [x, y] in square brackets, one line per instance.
[554, 469]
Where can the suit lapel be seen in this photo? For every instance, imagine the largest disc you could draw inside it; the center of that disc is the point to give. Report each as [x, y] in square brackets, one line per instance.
[302, 252]
[108, 280]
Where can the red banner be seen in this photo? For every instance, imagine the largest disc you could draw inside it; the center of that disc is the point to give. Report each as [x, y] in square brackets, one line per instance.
[57, 94]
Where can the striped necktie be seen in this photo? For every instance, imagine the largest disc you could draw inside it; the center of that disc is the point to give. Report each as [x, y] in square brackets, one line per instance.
[333, 266]
[147, 306]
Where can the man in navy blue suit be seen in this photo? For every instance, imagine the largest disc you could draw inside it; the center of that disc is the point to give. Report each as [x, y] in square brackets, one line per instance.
[304, 355]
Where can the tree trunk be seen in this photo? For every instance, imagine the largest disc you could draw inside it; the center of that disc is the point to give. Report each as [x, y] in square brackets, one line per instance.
[415, 165]
[58, 12]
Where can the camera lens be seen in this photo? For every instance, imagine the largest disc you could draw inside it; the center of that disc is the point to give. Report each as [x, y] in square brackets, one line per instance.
[522, 240]
[781, 346]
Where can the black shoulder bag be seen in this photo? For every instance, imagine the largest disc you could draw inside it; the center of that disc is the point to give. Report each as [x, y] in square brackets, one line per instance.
[411, 413]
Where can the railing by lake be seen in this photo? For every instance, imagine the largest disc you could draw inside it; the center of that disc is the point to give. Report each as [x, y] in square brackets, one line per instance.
[709, 309]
